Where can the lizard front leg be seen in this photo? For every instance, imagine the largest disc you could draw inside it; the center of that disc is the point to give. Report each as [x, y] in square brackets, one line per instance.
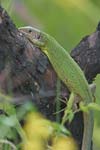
[68, 113]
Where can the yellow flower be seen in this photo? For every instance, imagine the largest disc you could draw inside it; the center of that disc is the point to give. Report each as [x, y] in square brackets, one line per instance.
[37, 126]
[62, 142]
[33, 145]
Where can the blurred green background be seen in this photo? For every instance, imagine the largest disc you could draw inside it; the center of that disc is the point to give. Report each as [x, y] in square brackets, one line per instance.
[67, 20]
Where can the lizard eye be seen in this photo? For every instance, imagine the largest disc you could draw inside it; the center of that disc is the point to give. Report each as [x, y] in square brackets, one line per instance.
[30, 31]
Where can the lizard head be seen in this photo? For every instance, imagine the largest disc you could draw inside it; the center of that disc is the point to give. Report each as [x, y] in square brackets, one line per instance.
[35, 36]
[35, 33]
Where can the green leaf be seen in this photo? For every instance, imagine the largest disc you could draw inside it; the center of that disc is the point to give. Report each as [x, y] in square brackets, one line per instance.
[61, 129]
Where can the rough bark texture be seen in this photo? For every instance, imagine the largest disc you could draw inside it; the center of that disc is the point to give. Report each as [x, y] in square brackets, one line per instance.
[26, 72]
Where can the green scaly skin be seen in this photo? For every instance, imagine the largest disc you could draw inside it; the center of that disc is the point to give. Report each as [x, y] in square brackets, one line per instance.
[69, 72]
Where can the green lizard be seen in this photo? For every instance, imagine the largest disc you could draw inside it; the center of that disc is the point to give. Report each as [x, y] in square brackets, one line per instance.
[69, 72]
